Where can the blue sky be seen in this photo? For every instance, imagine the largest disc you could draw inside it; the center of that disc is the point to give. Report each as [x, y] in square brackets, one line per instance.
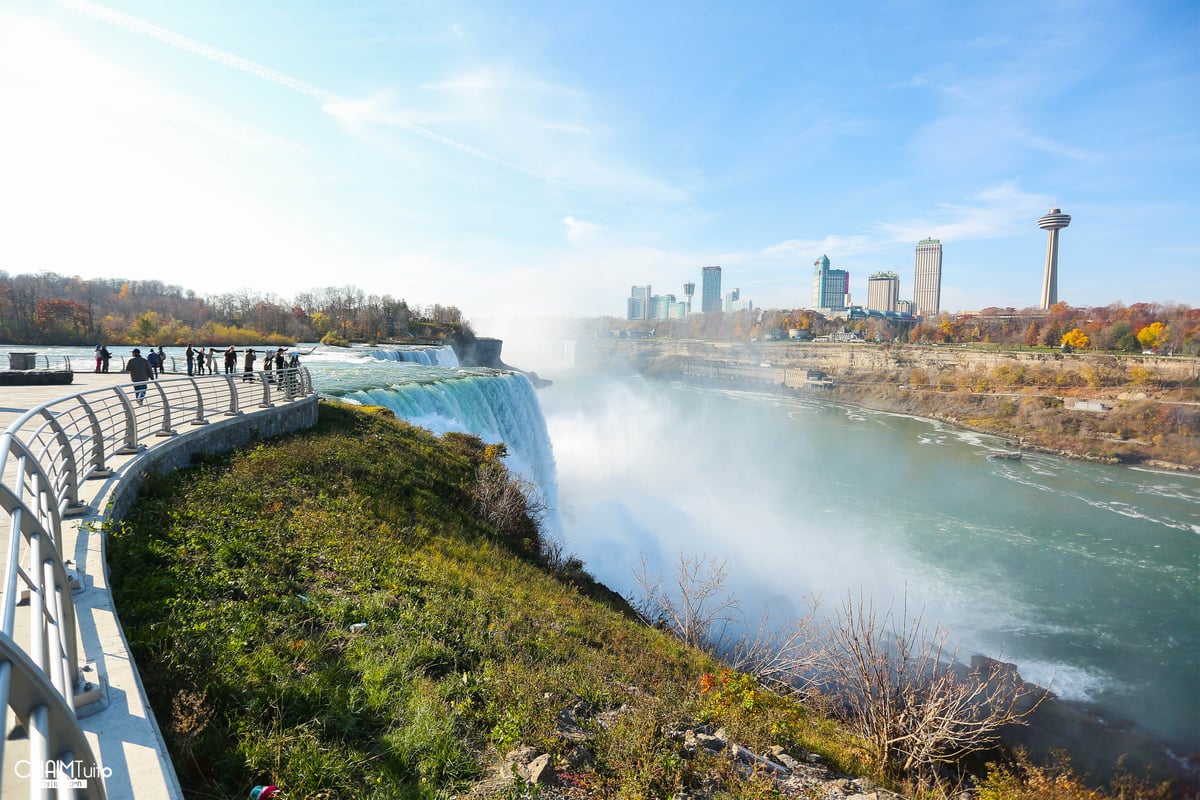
[538, 158]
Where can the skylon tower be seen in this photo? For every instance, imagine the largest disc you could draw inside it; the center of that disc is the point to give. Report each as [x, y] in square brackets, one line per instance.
[1053, 222]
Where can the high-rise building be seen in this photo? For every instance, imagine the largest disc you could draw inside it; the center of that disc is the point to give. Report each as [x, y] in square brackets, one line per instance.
[927, 278]
[637, 306]
[689, 289]
[883, 291]
[710, 289]
[831, 287]
[1053, 222]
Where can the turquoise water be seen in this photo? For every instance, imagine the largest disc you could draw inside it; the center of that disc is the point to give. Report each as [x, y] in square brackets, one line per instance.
[1086, 576]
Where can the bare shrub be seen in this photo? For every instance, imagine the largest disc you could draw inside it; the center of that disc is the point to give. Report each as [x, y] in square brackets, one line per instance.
[785, 656]
[908, 697]
[514, 506]
[698, 609]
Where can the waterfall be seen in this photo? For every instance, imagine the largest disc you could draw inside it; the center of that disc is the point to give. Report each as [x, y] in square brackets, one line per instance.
[428, 356]
[497, 407]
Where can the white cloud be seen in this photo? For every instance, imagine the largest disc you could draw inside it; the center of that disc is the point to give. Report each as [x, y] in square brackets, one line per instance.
[999, 211]
[578, 231]
[832, 245]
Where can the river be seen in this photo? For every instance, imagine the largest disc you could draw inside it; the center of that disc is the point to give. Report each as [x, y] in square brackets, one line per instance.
[1086, 576]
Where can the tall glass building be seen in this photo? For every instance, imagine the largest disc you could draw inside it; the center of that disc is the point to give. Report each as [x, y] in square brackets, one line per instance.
[710, 289]
[831, 287]
[927, 278]
[637, 305]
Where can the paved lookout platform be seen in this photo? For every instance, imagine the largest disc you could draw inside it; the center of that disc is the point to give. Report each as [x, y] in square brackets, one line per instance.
[116, 718]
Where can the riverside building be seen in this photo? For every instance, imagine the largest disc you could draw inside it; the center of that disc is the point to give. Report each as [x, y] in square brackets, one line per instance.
[883, 291]
[710, 289]
[927, 278]
[831, 287]
[637, 306]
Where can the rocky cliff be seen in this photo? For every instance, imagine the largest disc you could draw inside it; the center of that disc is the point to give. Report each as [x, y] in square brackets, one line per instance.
[1116, 408]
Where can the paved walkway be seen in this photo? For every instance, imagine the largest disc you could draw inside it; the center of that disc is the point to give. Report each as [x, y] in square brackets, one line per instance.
[16, 400]
[120, 728]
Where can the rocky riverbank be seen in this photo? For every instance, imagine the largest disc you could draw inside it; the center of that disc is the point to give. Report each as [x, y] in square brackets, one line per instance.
[1104, 408]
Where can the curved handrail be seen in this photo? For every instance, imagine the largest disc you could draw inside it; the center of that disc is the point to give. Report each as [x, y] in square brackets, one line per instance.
[45, 455]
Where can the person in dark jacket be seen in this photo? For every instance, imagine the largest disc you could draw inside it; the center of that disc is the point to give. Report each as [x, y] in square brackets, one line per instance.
[248, 366]
[139, 372]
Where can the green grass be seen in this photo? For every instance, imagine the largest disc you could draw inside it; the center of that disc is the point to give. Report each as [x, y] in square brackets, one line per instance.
[326, 612]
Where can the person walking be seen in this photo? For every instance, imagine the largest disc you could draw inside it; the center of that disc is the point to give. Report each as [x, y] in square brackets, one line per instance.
[248, 366]
[139, 372]
[152, 359]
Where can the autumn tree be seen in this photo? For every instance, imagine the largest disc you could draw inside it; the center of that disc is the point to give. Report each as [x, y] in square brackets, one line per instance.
[1031, 335]
[1075, 339]
[1153, 335]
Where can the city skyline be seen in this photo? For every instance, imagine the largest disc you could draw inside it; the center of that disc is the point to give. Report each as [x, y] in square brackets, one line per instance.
[502, 160]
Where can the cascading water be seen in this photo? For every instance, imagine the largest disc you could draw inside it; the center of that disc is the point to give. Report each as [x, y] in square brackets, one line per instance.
[427, 387]
[499, 407]
[426, 356]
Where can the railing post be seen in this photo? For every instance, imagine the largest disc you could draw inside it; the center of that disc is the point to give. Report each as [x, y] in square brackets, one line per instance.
[266, 390]
[98, 469]
[233, 396]
[131, 434]
[70, 469]
[199, 420]
[166, 429]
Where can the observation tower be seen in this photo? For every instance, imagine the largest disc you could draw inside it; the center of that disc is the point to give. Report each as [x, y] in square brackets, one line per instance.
[1054, 221]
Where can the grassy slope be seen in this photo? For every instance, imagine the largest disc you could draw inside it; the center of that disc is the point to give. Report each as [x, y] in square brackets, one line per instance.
[244, 584]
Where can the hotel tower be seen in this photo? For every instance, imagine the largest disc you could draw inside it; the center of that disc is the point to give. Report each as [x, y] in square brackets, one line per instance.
[927, 278]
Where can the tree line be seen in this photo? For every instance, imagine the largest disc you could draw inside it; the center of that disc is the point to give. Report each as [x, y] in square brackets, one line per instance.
[1117, 327]
[48, 308]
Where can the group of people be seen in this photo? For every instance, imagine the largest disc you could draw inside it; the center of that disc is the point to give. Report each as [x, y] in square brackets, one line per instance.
[102, 358]
[146, 369]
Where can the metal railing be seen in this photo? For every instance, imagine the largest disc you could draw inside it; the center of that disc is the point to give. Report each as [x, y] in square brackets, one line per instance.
[45, 456]
[34, 360]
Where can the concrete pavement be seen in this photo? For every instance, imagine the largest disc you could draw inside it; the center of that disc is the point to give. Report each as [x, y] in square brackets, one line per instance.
[119, 723]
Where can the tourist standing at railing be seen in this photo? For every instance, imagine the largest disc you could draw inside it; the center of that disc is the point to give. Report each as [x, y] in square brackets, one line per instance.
[162, 360]
[97, 358]
[248, 366]
[280, 363]
[139, 371]
[104, 357]
[191, 359]
[230, 360]
[152, 359]
[212, 361]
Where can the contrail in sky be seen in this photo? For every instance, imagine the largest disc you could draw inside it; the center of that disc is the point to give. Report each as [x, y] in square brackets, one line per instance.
[328, 98]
